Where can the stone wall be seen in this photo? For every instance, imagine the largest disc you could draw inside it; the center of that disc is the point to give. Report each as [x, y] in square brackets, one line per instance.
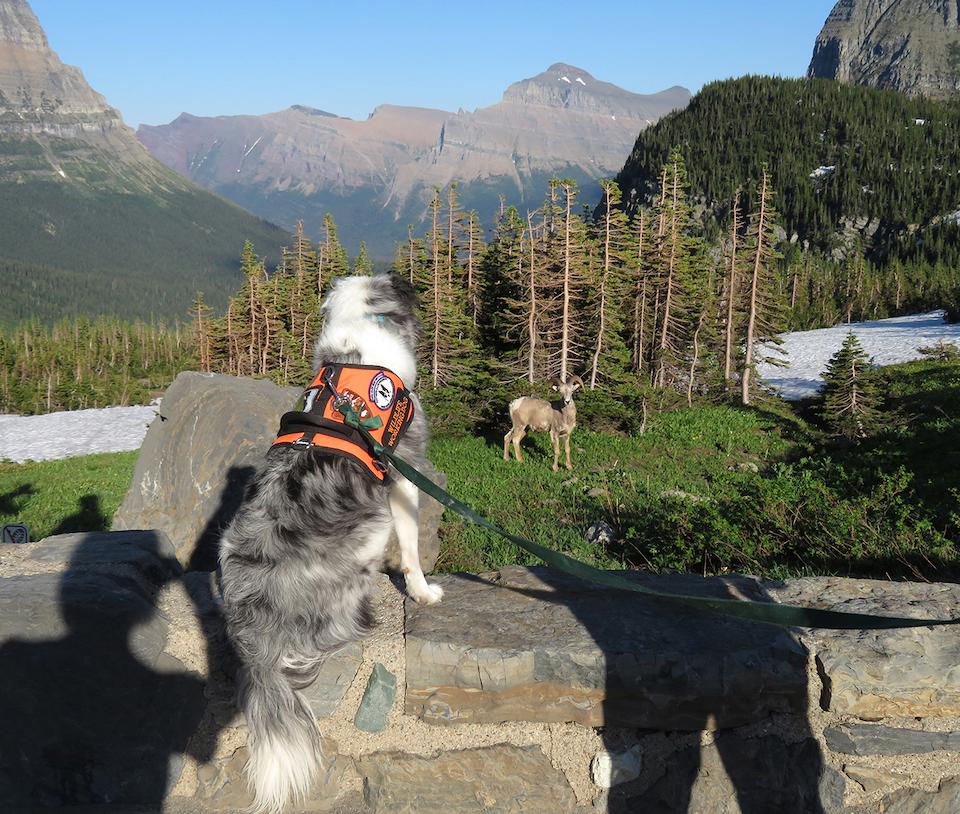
[523, 691]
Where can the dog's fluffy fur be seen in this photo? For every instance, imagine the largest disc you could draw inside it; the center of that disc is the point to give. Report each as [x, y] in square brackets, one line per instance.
[299, 560]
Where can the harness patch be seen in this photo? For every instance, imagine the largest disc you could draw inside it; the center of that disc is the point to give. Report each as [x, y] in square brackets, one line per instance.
[356, 402]
[382, 390]
[385, 404]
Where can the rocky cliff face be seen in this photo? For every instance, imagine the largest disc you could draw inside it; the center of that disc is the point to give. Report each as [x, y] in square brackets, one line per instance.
[38, 93]
[375, 176]
[81, 200]
[911, 46]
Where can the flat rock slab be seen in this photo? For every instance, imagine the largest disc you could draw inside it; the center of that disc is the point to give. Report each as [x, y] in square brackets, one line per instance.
[92, 709]
[499, 779]
[222, 785]
[870, 739]
[149, 553]
[914, 672]
[535, 645]
[334, 679]
[945, 800]
[737, 775]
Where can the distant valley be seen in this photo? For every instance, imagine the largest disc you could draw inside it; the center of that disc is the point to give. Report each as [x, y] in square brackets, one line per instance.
[376, 176]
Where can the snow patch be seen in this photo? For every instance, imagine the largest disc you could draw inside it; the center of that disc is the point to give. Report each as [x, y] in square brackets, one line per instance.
[74, 432]
[953, 217]
[820, 172]
[887, 341]
[61, 173]
[565, 79]
[252, 146]
[920, 121]
[581, 81]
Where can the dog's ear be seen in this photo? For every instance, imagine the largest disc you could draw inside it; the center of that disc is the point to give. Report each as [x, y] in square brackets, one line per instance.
[404, 291]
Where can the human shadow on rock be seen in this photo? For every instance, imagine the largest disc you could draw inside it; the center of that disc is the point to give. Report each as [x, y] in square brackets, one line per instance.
[93, 711]
[89, 516]
[669, 668]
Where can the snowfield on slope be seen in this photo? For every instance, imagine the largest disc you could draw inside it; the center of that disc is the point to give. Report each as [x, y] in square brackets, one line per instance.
[115, 429]
[887, 341]
[73, 432]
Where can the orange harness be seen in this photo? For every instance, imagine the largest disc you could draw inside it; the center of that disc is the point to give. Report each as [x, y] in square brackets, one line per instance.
[373, 392]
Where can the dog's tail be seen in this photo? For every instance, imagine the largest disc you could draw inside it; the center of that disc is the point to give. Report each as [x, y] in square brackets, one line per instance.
[284, 742]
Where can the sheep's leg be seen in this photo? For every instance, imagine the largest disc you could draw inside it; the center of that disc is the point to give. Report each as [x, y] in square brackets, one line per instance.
[506, 444]
[405, 507]
[556, 450]
[518, 436]
[566, 444]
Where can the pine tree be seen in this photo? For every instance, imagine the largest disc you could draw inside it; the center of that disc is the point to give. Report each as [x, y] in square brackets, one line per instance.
[200, 311]
[680, 265]
[363, 264]
[849, 395]
[332, 258]
[732, 289]
[764, 308]
[610, 355]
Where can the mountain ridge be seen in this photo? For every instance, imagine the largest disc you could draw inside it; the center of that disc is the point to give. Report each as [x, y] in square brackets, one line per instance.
[376, 175]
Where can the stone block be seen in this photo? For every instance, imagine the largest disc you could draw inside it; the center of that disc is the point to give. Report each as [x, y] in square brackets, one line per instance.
[735, 775]
[334, 679]
[869, 739]
[377, 700]
[886, 673]
[537, 645]
[502, 779]
[197, 457]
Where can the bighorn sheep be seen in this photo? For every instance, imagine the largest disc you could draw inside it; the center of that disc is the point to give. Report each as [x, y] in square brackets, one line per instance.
[557, 417]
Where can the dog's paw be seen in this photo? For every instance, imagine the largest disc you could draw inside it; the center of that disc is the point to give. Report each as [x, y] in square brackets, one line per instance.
[429, 595]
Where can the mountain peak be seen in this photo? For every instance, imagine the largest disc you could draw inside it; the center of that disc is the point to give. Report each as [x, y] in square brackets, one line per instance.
[566, 86]
[561, 69]
[38, 93]
[20, 26]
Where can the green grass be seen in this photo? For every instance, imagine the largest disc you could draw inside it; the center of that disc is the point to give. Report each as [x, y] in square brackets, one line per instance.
[73, 494]
[762, 491]
[697, 452]
[711, 489]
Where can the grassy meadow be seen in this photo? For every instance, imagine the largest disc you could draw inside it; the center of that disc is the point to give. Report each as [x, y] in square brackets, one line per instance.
[709, 489]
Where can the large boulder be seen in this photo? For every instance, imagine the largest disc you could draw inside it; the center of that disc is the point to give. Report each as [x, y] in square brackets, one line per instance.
[537, 645]
[200, 453]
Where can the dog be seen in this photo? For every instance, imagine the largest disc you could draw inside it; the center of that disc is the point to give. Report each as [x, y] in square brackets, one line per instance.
[299, 561]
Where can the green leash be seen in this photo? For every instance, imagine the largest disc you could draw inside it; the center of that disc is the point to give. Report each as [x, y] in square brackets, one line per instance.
[767, 612]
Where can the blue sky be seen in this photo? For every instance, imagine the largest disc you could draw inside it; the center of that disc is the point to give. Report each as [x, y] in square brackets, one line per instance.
[154, 60]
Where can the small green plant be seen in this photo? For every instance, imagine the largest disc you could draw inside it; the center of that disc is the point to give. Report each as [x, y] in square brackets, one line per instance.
[941, 352]
[849, 395]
